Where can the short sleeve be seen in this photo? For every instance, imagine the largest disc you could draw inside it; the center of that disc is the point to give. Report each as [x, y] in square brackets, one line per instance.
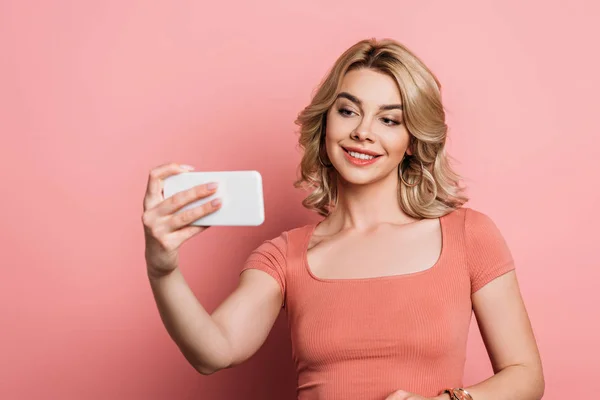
[488, 255]
[271, 257]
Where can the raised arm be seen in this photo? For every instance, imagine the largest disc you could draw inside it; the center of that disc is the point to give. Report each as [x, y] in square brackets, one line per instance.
[239, 326]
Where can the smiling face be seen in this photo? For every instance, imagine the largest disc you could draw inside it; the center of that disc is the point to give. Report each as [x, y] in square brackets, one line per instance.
[365, 135]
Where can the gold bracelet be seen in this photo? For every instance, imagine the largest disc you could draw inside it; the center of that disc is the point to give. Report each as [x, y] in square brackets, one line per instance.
[451, 393]
[458, 394]
[465, 395]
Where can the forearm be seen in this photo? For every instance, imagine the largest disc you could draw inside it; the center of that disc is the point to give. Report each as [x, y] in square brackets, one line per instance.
[190, 326]
[516, 382]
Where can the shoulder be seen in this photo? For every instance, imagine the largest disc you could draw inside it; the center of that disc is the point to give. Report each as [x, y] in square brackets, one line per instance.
[280, 244]
[479, 230]
[272, 255]
[484, 241]
[471, 219]
[487, 252]
[478, 224]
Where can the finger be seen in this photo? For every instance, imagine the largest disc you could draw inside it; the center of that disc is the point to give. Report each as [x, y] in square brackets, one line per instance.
[187, 232]
[154, 188]
[155, 183]
[186, 217]
[183, 198]
[175, 239]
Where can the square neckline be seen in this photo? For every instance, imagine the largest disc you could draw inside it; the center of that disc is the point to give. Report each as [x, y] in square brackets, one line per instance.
[440, 259]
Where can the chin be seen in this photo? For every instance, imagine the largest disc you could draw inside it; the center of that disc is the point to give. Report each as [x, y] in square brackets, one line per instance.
[362, 171]
[355, 176]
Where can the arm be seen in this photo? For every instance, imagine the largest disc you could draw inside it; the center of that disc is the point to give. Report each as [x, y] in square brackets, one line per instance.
[508, 337]
[510, 343]
[234, 331]
[241, 324]
[501, 317]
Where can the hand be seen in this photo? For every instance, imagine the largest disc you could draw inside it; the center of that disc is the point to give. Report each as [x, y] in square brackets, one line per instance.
[402, 395]
[164, 230]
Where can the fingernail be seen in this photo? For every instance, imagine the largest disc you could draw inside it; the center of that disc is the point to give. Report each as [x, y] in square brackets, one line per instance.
[212, 186]
[185, 166]
[215, 202]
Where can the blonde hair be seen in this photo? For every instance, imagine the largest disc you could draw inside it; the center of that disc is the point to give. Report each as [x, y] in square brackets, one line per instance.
[433, 190]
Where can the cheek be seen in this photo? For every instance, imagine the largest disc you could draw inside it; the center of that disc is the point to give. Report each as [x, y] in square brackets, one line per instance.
[396, 144]
[338, 126]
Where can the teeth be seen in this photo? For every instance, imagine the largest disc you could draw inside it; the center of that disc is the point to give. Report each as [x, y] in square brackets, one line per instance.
[360, 155]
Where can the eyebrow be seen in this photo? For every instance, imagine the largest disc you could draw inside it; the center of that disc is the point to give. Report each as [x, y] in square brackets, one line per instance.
[356, 100]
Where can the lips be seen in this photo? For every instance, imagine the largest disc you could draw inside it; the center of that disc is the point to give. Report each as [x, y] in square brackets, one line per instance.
[362, 151]
[360, 159]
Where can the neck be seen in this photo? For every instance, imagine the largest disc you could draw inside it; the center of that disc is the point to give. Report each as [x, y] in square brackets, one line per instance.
[364, 207]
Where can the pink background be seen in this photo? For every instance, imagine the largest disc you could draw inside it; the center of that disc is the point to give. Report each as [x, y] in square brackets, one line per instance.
[95, 93]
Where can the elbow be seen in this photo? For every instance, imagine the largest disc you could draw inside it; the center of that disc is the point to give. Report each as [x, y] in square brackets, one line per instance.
[537, 392]
[540, 383]
[541, 393]
[211, 368]
[206, 370]
[541, 387]
[221, 357]
[536, 383]
[529, 378]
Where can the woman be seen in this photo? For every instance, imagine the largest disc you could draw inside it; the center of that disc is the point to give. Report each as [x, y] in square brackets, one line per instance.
[379, 294]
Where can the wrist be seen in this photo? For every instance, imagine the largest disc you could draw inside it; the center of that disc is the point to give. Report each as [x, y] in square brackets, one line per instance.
[455, 394]
[155, 276]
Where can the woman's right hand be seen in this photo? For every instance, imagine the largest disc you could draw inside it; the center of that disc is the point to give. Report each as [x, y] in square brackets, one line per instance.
[164, 230]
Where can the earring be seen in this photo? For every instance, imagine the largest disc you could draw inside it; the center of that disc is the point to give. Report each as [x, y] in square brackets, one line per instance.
[400, 173]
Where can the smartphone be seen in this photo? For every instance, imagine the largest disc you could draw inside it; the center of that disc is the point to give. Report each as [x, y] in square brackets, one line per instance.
[241, 193]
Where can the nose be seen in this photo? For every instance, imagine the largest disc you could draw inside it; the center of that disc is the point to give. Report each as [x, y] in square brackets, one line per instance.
[363, 131]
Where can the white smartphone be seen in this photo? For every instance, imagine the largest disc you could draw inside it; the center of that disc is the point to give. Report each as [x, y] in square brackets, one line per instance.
[241, 193]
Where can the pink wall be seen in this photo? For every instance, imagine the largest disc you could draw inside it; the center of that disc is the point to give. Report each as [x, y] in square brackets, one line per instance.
[93, 94]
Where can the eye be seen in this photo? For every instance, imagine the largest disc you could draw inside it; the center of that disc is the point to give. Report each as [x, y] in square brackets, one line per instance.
[348, 113]
[390, 122]
[345, 112]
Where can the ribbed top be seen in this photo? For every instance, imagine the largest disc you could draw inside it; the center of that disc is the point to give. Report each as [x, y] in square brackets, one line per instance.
[365, 338]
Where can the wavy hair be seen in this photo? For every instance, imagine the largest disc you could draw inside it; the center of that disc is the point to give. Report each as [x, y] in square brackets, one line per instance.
[429, 188]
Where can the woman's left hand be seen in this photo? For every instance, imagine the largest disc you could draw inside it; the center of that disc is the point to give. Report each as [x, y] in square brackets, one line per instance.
[402, 395]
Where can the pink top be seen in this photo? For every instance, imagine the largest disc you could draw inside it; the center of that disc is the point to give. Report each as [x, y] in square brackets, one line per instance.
[365, 338]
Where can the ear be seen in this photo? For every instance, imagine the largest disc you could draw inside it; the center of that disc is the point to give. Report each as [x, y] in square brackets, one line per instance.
[410, 146]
